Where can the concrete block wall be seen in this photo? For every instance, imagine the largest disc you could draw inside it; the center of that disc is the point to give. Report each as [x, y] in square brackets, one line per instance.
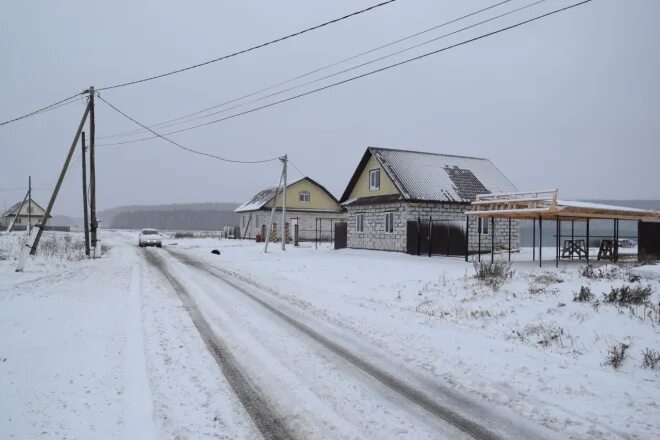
[501, 235]
[375, 237]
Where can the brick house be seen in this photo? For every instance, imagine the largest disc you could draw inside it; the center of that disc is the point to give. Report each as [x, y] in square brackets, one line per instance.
[392, 187]
[308, 204]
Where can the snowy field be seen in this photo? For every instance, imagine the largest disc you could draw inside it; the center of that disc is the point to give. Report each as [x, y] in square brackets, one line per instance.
[106, 349]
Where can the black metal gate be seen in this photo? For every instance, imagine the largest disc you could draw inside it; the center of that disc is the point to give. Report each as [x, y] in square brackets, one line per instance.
[435, 237]
[648, 237]
[341, 235]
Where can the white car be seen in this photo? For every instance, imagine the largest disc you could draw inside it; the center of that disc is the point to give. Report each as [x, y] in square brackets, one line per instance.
[150, 237]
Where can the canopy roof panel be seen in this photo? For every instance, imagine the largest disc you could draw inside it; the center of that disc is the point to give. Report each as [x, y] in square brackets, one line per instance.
[545, 204]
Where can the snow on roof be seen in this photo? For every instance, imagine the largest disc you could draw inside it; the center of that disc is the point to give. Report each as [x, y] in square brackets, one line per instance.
[600, 206]
[441, 177]
[14, 208]
[260, 199]
[11, 209]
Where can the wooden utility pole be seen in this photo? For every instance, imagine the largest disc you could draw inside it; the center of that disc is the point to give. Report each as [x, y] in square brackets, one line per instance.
[92, 173]
[284, 161]
[29, 225]
[20, 207]
[272, 212]
[84, 192]
[53, 197]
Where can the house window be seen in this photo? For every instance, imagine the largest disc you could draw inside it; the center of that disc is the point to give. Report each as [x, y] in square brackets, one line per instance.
[389, 222]
[374, 180]
[483, 226]
[303, 196]
[359, 222]
[18, 220]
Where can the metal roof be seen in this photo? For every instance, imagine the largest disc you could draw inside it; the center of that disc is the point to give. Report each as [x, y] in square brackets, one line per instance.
[258, 200]
[422, 176]
[261, 199]
[13, 208]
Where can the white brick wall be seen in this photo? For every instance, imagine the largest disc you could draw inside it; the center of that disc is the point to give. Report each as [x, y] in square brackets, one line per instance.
[375, 237]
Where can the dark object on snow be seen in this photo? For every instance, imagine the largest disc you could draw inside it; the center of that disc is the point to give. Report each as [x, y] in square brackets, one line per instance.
[215, 252]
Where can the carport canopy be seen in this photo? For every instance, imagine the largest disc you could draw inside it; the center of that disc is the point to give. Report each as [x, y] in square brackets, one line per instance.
[545, 204]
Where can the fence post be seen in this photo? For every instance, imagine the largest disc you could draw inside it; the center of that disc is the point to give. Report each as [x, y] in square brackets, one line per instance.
[295, 234]
[430, 235]
[419, 238]
[467, 237]
[492, 239]
[273, 233]
[479, 229]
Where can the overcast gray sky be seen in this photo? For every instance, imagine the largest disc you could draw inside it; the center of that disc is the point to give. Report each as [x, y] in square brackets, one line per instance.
[572, 101]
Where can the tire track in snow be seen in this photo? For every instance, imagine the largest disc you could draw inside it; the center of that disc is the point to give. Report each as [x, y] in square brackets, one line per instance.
[139, 411]
[269, 424]
[405, 390]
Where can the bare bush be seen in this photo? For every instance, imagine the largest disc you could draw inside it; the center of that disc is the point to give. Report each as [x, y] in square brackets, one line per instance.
[616, 354]
[542, 334]
[651, 359]
[627, 294]
[426, 307]
[584, 295]
[547, 278]
[62, 247]
[599, 273]
[537, 289]
[493, 274]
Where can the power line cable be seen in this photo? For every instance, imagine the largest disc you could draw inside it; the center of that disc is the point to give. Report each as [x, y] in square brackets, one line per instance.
[303, 75]
[355, 67]
[296, 168]
[259, 46]
[277, 40]
[363, 75]
[224, 159]
[52, 106]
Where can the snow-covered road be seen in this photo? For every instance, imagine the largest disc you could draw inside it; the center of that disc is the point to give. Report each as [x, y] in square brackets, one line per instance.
[178, 343]
[300, 378]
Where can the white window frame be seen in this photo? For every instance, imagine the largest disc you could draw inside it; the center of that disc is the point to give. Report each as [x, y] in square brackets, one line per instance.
[389, 222]
[304, 194]
[374, 186]
[481, 229]
[359, 222]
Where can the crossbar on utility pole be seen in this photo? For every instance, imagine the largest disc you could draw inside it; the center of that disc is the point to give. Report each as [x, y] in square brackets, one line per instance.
[53, 197]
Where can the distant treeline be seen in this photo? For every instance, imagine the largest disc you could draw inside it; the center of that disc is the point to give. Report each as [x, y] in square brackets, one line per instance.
[180, 219]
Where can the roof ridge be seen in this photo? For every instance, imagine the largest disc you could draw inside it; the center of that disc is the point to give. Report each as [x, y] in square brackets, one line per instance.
[429, 153]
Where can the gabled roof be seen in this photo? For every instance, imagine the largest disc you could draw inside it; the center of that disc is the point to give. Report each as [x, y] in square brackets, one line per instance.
[263, 197]
[420, 176]
[14, 208]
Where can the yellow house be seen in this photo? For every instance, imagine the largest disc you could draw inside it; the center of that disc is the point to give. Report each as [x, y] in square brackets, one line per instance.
[308, 204]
